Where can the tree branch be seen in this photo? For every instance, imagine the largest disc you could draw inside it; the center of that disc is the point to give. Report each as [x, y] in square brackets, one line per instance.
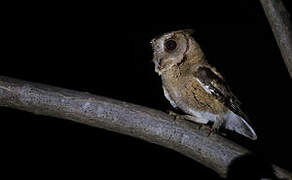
[280, 22]
[151, 125]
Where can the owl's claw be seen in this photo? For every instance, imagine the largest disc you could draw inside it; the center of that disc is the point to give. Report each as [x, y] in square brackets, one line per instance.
[215, 128]
[202, 123]
[204, 127]
[210, 132]
[175, 115]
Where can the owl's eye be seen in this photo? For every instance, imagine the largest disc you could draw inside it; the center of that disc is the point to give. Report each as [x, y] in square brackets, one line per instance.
[170, 45]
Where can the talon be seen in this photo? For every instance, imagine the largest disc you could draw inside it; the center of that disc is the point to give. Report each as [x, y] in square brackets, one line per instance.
[215, 128]
[210, 132]
[175, 115]
[171, 113]
[204, 127]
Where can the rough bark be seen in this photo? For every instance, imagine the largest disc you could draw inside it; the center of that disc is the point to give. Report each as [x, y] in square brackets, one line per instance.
[279, 19]
[151, 125]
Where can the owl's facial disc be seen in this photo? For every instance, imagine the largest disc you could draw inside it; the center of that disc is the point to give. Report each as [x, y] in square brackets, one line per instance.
[167, 46]
[169, 50]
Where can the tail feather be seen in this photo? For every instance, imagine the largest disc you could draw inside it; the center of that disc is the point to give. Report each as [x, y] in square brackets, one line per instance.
[236, 123]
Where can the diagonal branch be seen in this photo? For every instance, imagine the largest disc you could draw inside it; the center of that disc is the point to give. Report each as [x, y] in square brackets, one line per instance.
[280, 22]
[151, 125]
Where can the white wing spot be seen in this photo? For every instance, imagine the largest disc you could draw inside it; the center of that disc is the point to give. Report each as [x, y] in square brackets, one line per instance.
[205, 87]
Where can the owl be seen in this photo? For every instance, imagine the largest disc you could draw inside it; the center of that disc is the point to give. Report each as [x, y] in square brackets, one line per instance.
[191, 84]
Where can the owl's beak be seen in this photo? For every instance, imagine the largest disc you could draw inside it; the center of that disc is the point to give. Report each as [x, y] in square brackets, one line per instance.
[157, 65]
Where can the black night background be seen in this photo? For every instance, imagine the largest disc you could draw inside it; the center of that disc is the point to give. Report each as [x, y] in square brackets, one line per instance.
[105, 50]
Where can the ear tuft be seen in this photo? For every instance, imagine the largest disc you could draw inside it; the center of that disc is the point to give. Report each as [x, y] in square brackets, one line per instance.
[189, 31]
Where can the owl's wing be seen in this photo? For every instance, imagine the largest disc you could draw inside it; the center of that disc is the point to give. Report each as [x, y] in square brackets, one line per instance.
[215, 85]
[235, 119]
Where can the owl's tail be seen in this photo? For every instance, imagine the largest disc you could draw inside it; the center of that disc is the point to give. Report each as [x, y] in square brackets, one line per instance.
[236, 123]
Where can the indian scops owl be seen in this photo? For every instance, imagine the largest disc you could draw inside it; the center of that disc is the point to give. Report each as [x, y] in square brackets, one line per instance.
[194, 86]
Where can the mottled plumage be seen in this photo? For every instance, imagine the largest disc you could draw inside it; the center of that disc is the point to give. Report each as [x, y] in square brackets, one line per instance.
[194, 86]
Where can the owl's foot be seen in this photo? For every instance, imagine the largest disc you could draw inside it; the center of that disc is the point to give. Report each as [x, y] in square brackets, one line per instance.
[175, 115]
[195, 119]
[218, 122]
[205, 127]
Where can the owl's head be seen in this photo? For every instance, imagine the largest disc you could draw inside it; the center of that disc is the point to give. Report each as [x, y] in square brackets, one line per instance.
[170, 49]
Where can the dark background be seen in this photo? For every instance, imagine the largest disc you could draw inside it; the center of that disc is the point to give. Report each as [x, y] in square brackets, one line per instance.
[104, 49]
